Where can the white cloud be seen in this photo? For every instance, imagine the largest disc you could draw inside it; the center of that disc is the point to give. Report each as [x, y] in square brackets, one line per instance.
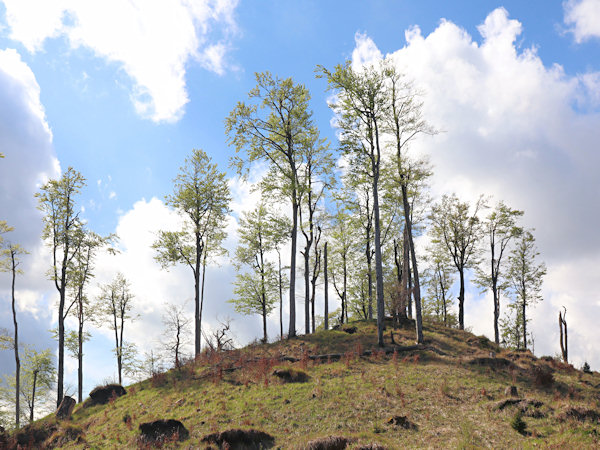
[26, 141]
[509, 129]
[583, 17]
[152, 41]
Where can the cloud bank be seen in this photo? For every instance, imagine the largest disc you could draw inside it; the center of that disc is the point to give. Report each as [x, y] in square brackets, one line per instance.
[583, 18]
[152, 41]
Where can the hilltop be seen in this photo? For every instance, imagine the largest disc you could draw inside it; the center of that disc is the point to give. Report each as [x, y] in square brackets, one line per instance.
[337, 386]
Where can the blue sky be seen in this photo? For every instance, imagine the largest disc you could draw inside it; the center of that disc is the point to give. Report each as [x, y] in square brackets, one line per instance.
[122, 91]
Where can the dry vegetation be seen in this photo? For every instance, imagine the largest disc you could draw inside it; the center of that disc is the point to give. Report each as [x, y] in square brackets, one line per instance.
[450, 393]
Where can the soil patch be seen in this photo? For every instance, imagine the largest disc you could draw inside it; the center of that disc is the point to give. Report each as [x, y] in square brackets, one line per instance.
[329, 443]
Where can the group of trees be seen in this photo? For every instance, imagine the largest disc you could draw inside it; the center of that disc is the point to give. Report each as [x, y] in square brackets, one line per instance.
[357, 214]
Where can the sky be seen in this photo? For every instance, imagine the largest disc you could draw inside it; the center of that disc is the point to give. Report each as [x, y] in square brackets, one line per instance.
[123, 90]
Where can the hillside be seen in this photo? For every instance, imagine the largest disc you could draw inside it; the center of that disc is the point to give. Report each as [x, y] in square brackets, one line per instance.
[450, 393]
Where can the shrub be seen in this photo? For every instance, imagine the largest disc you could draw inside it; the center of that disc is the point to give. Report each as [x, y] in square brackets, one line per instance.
[517, 423]
[586, 368]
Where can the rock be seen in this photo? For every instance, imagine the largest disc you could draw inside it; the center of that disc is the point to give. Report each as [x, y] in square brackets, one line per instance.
[511, 391]
[102, 394]
[291, 375]
[402, 421]
[240, 439]
[65, 408]
[328, 443]
[162, 430]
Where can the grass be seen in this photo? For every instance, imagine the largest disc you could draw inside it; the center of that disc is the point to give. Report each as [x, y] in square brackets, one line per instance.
[450, 401]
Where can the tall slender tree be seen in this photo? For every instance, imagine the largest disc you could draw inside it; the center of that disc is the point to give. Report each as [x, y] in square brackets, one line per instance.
[81, 272]
[360, 105]
[500, 228]
[201, 195]
[276, 128]
[256, 291]
[525, 276]
[456, 226]
[61, 227]
[115, 305]
[405, 121]
[9, 262]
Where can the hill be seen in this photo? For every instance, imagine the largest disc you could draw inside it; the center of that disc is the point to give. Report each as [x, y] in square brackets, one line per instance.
[336, 389]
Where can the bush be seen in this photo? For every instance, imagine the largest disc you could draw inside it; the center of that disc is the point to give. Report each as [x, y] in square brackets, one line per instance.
[518, 424]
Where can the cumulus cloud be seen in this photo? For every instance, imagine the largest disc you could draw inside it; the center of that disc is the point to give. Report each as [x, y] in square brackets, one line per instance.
[511, 127]
[583, 18]
[26, 141]
[152, 41]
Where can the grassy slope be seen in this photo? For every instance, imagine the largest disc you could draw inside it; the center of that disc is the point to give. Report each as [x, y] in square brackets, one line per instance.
[449, 399]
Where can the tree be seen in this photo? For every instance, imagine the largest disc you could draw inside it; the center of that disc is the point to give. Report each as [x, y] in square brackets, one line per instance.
[316, 176]
[61, 227]
[459, 230]
[440, 280]
[9, 262]
[564, 340]
[36, 381]
[360, 105]
[500, 228]
[275, 128]
[81, 271]
[115, 304]
[405, 122]
[201, 196]
[256, 291]
[525, 277]
[175, 334]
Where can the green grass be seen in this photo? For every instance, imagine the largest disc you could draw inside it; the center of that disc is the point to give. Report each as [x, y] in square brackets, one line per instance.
[451, 401]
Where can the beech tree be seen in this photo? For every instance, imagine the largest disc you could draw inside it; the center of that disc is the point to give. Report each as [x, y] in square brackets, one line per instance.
[61, 227]
[439, 281]
[201, 195]
[175, 334]
[525, 276]
[9, 262]
[457, 228]
[257, 290]
[276, 128]
[82, 268]
[500, 228]
[360, 105]
[115, 304]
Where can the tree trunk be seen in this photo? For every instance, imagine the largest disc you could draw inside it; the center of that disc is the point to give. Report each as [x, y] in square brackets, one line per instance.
[61, 347]
[307, 288]
[326, 300]
[205, 250]
[461, 300]
[417, 287]
[495, 290]
[280, 298]
[524, 324]
[197, 328]
[35, 372]
[378, 264]
[16, 346]
[80, 364]
[292, 328]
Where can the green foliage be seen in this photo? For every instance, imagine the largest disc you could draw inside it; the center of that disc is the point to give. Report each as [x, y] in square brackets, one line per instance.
[517, 423]
[261, 233]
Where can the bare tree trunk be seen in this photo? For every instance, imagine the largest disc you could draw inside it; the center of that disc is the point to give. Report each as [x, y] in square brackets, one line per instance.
[326, 318]
[307, 289]
[524, 324]
[80, 364]
[16, 344]
[280, 298]
[197, 327]
[461, 300]
[35, 372]
[202, 293]
[292, 328]
[564, 345]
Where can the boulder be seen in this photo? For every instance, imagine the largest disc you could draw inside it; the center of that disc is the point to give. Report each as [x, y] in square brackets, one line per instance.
[65, 408]
[102, 394]
[240, 439]
[163, 430]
